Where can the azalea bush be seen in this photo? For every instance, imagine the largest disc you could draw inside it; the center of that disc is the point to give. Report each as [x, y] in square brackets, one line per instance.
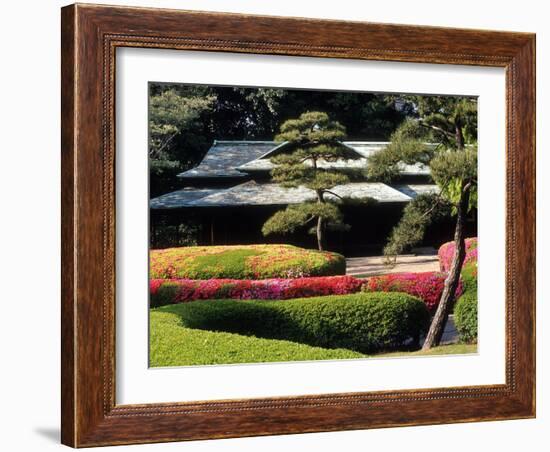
[244, 262]
[428, 286]
[164, 292]
[446, 252]
[364, 322]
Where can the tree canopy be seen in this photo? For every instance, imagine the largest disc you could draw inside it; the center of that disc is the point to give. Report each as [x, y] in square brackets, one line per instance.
[442, 134]
[313, 138]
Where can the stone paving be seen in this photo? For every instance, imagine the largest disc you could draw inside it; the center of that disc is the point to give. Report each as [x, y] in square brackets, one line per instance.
[375, 265]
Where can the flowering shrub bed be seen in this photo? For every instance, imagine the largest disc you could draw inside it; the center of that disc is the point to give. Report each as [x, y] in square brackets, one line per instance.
[244, 262]
[164, 292]
[447, 250]
[427, 286]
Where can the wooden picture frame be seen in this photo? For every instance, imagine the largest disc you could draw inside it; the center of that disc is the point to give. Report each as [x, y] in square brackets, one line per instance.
[90, 36]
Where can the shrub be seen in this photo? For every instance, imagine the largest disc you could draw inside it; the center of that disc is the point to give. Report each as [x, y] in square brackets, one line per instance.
[447, 250]
[469, 277]
[170, 291]
[465, 316]
[365, 322]
[427, 286]
[244, 262]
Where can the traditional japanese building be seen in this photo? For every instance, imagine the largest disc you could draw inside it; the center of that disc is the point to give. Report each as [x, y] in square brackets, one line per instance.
[229, 196]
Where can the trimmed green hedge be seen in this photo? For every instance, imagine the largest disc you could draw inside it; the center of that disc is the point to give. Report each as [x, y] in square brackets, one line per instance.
[465, 310]
[364, 322]
[465, 317]
[244, 262]
[469, 277]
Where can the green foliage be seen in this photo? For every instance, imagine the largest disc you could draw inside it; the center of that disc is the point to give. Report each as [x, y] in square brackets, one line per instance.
[175, 233]
[229, 264]
[469, 277]
[169, 115]
[162, 176]
[364, 322]
[450, 165]
[243, 262]
[449, 124]
[408, 146]
[171, 344]
[465, 316]
[325, 180]
[451, 170]
[165, 294]
[441, 115]
[313, 138]
[417, 216]
[295, 216]
[312, 127]
[465, 310]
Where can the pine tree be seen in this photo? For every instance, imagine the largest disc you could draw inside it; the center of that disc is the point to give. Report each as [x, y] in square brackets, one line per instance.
[450, 123]
[313, 139]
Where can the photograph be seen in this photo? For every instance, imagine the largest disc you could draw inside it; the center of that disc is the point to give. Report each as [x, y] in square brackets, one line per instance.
[302, 225]
[246, 226]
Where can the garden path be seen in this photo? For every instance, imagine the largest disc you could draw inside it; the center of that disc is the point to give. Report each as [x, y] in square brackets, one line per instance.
[374, 265]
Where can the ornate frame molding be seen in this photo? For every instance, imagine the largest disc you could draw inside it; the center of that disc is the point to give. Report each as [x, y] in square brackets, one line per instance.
[90, 37]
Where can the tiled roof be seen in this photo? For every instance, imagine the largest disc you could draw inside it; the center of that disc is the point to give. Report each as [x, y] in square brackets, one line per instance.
[237, 158]
[413, 190]
[263, 194]
[363, 149]
[181, 198]
[224, 156]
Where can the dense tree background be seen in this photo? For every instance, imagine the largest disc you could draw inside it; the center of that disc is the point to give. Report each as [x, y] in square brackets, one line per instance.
[179, 137]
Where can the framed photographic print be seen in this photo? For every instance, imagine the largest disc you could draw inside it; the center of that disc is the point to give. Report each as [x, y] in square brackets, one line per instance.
[281, 225]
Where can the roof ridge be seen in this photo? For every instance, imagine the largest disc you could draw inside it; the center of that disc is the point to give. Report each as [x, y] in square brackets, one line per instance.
[242, 142]
[273, 141]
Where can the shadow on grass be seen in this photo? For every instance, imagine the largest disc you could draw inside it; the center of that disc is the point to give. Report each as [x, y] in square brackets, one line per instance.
[365, 323]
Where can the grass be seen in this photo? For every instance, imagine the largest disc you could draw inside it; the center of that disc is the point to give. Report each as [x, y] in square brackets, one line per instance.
[174, 345]
[450, 349]
[171, 344]
[230, 262]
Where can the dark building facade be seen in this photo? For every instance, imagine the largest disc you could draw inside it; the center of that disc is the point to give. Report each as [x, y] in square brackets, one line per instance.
[227, 198]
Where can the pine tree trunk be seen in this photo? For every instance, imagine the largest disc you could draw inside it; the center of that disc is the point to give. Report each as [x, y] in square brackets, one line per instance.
[320, 238]
[439, 321]
[320, 233]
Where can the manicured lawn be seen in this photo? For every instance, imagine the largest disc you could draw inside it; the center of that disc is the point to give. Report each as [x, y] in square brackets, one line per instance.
[171, 344]
[174, 345]
[450, 349]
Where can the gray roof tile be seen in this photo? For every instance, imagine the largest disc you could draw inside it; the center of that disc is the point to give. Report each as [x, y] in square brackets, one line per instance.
[264, 194]
[224, 156]
[181, 198]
